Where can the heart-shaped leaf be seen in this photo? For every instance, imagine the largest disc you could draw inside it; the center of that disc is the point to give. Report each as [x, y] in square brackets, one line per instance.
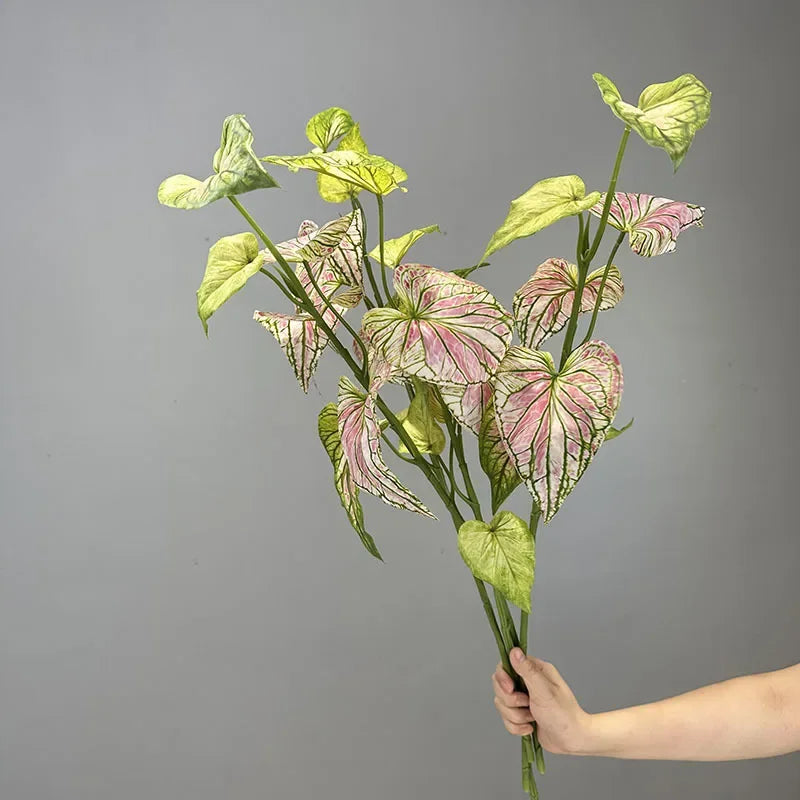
[652, 223]
[543, 204]
[502, 553]
[324, 128]
[543, 305]
[361, 436]
[467, 403]
[373, 173]
[446, 330]
[232, 261]
[669, 114]
[237, 170]
[333, 190]
[552, 422]
[395, 249]
[496, 461]
[328, 426]
[419, 422]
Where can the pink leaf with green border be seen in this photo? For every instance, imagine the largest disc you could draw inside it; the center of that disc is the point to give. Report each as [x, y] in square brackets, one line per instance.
[542, 306]
[360, 435]
[552, 423]
[495, 460]
[446, 330]
[467, 403]
[652, 223]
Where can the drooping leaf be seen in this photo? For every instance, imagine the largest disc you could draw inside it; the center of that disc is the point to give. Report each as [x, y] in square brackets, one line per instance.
[467, 403]
[328, 426]
[237, 170]
[339, 243]
[373, 173]
[333, 190]
[552, 422]
[502, 553]
[446, 331]
[652, 223]
[325, 128]
[419, 422]
[614, 432]
[360, 435]
[543, 204]
[231, 262]
[543, 305]
[395, 249]
[669, 114]
[496, 461]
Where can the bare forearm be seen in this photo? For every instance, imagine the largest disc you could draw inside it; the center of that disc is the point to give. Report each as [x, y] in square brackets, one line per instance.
[748, 717]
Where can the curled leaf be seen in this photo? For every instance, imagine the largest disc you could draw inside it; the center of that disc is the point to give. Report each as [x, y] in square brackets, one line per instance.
[324, 128]
[420, 423]
[614, 432]
[395, 249]
[237, 170]
[334, 190]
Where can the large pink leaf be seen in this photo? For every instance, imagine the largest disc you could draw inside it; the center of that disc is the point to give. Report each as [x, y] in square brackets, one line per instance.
[542, 306]
[360, 436]
[552, 423]
[652, 223]
[468, 403]
[446, 330]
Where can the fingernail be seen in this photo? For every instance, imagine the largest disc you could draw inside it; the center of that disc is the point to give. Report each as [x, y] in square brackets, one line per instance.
[517, 655]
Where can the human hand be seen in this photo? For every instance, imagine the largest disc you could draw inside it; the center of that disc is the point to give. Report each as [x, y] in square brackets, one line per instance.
[563, 726]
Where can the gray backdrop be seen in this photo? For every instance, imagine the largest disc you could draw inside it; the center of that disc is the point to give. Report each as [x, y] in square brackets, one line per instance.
[184, 610]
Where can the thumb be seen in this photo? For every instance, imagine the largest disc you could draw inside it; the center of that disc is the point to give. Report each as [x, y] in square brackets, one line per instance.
[530, 670]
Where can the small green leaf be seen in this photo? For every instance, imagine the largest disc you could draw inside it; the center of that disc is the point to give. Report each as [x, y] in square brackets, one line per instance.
[237, 170]
[612, 432]
[232, 261]
[669, 114]
[419, 421]
[395, 249]
[328, 426]
[501, 553]
[333, 190]
[495, 460]
[325, 128]
[543, 204]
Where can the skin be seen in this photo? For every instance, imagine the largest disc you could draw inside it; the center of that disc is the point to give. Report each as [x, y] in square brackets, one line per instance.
[753, 716]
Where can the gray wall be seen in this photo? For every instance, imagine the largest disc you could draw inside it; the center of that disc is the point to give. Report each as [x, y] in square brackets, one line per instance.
[184, 611]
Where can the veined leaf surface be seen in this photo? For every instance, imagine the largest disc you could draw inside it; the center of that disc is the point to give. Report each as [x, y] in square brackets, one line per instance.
[496, 461]
[324, 128]
[395, 249]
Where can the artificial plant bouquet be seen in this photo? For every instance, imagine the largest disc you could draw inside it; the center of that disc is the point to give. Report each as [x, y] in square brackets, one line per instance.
[447, 340]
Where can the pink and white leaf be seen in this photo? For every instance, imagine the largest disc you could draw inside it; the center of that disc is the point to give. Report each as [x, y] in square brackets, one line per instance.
[552, 423]
[290, 249]
[468, 403]
[543, 305]
[652, 223]
[360, 435]
[446, 330]
[340, 243]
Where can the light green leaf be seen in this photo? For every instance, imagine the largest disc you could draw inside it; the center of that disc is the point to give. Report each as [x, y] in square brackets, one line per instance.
[237, 170]
[232, 261]
[501, 553]
[370, 172]
[669, 114]
[613, 432]
[543, 204]
[333, 190]
[325, 128]
[395, 249]
[328, 426]
[420, 423]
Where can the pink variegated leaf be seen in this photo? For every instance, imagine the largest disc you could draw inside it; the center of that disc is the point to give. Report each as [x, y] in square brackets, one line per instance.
[290, 249]
[467, 403]
[552, 423]
[340, 244]
[446, 330]
[652, 223]
[542, 306]
[360, 435]
[495, 460]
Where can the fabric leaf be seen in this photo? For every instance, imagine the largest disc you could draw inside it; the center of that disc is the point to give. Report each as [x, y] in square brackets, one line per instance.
[552, 422]
[237, 170]
[328, 426]
[232, 261]
[339, 243]
[467, 403]
[543, 204]
[502, 553]
[395, 249]
[446, 330]
[496, 461]
[419, 422]
[360, 435]
[669, 114]
[334, 190]
[543, 305]
[652, 223]
[325, 128]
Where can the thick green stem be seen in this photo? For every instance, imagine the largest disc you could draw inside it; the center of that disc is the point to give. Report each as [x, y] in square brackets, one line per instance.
[380, 247]
[599, 297]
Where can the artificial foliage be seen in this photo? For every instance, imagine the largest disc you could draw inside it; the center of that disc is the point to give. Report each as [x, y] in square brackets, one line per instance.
[470, 365]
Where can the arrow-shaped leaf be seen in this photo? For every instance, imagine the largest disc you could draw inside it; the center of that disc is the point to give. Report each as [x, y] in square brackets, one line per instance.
[395, 249]
[324, 128]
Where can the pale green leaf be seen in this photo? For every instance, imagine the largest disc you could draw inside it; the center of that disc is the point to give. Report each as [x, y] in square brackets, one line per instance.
[232, 261]
[543, 204]
[501, 553]
[334, 190]
[395, 249]
[668, 115]
[325, 128]
[237, 170]
[419, 421]
[613, 432]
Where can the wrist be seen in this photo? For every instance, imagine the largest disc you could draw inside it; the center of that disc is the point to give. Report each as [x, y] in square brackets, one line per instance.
[591, 738]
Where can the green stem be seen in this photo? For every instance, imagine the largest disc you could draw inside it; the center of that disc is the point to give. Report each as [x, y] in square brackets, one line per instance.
[599, 297]
[572, 326]
[367, 263]
[380, 247]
